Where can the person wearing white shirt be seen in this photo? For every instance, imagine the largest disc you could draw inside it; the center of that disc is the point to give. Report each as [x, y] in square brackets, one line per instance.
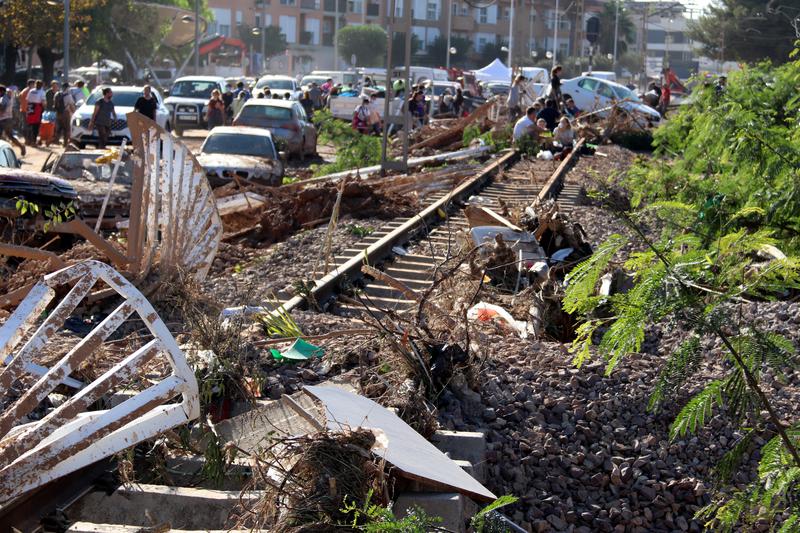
[524, 126]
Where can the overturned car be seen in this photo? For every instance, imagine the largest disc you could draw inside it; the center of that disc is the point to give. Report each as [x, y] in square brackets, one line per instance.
[231, 152]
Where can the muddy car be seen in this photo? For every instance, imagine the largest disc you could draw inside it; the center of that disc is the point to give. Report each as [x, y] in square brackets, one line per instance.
[245, 152]
[45, 191]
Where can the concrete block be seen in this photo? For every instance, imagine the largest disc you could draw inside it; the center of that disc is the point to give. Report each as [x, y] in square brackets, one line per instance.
[453, 508]
[145, 505]
[467, 446]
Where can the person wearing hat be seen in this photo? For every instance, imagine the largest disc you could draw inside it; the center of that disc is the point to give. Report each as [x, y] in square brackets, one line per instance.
[515, 98]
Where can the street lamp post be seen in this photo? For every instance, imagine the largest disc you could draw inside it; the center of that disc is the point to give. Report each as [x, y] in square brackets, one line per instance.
[449, 30]
[616, 31]
[66, 40]
[555, 36]
[196, 37]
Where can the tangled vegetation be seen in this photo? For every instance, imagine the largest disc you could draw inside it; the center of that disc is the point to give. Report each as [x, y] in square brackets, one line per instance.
[724, 192]
[353, 149]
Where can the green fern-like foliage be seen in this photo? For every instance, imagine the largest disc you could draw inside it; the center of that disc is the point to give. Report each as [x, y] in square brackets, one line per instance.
[694, 414]
[681, 365]
[583, 279]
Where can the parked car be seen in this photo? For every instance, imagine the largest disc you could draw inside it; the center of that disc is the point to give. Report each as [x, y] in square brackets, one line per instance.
[607, 75]
[8, 159]
[306, 82]
[287, 121]
[280, 85]
[593, 94]
[249, 153]
[187, 100]
[124, 99]
[39, 188]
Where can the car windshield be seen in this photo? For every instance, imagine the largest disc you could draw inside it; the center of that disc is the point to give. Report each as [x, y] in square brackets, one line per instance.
[309, 79]
[120, 98]
[193, 89]
[275, 84]
[625, 93]
[239, 144]
[265, 112]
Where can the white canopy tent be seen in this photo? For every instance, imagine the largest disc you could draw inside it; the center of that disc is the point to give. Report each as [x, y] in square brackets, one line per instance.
[494, 71]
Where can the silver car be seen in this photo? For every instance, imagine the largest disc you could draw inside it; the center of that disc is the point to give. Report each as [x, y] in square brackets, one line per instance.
[248, 153]
[287, 121]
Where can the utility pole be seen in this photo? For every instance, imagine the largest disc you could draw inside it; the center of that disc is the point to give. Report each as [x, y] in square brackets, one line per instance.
[449, 30]
[644, 47]
[389, 93]
[511, 40]
[555, 36]
[196, 37]
[336, 38]
[616, 32]
[263, 35]
[66, 40]
[531, 40]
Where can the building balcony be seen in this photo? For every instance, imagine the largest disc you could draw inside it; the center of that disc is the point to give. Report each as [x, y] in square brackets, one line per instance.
[309, 4]
[461, 23]
[330, 5]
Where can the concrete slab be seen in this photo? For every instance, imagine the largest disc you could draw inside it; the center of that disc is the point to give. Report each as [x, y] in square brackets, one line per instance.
[467, 446]
[453, 508]
[146, 505]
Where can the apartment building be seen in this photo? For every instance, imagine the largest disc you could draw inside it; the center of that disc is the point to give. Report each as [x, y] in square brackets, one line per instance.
[310, 25]
[662, 36]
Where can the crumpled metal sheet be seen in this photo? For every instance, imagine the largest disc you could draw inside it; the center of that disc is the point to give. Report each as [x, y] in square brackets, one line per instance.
[70, 436]
[174, 222]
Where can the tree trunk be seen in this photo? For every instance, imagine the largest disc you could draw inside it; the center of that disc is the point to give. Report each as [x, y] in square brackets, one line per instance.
[48, 58]
[9, 63]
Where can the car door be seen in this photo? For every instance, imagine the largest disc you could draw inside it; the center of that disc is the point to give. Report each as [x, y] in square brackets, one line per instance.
[605, 94]
[302, 119]
[584, 94]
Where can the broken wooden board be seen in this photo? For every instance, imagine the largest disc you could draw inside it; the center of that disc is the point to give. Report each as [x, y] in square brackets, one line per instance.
[410, 453]
[71, 436]
[174, 222]
[235, 203]
[483, 216]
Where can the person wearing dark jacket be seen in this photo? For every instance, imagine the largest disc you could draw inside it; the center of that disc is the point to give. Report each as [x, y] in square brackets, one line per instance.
[147, 103]
[550, 114]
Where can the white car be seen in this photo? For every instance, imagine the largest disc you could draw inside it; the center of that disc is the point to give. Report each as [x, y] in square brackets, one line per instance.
[593, 94]
[280, 85]
[124, 98]
[187, 99]
[8, 159]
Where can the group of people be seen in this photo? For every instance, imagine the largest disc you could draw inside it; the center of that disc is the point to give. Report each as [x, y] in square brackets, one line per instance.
[25, 111]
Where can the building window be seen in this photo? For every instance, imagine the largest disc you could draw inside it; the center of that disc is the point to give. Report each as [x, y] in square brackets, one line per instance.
[431, 12]
[464, 10]
[483, 16]
[506, 13]
[354, 6]
[287, 2]
[454, 10]
[225, 29]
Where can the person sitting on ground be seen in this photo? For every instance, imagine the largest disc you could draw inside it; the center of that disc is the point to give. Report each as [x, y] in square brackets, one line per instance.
[572, 110]
[541, 124]
[525, 126]
[564, 134]
[549, 114]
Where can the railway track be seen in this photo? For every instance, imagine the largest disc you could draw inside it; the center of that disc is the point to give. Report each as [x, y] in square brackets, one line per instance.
[504, 181]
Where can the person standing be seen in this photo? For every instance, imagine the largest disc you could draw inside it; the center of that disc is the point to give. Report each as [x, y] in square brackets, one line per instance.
[555, 85]
[64, 106]
[23, 109]
[50, 97]
[458, 102]
[215, 110]
[238, 104]
[316, 95]
[7, 118]
[227, 99]
[549, 114]
[515, 97]
[36, 102]
[147, 103]
[102, 117]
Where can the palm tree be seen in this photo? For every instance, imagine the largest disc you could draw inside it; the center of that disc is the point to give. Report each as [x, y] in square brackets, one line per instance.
[626, 31]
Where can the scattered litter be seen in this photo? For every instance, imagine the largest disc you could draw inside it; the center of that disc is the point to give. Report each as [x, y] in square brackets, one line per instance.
[486, 312]
[545, 155]
[486, 237]
[399, 250]
[561, 255]
[300, 350]
[483, 216]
